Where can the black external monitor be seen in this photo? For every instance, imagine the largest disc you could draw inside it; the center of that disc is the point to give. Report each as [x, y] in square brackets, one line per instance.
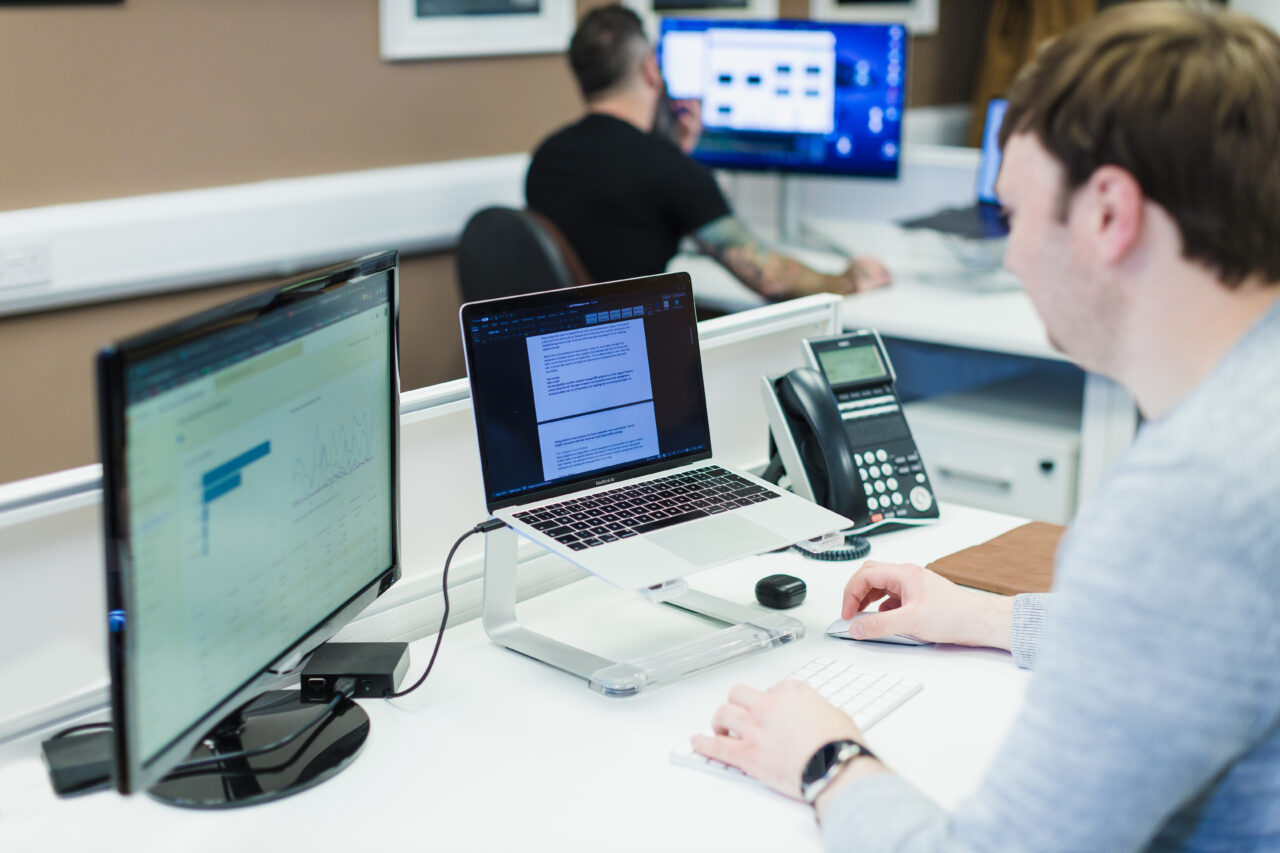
[791, 96]
[250, 500]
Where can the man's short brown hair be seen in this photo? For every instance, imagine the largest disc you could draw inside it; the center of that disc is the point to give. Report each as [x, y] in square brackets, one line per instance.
[606, 48]
[1185, 99]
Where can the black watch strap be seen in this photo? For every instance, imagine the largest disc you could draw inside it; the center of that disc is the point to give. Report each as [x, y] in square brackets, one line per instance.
[826, 764]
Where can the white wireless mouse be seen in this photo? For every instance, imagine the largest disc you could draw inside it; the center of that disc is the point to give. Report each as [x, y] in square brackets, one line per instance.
[840, 629]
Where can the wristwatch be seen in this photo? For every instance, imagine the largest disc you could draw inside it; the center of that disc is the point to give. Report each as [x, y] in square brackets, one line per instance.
[826, 764]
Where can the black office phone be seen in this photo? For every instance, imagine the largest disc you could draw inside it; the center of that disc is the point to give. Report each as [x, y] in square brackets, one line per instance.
[839, 433]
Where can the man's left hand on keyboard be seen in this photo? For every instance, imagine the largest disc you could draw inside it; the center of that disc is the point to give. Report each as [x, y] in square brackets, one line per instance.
[771, 734]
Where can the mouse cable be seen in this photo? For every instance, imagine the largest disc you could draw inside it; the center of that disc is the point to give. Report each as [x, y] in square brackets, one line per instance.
[855, 548]
[484, 527]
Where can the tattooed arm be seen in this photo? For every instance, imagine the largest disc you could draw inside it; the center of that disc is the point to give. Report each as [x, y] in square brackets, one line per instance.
[774, 275]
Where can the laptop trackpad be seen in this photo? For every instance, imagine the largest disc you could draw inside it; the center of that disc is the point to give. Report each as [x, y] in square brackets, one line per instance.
[707, 540]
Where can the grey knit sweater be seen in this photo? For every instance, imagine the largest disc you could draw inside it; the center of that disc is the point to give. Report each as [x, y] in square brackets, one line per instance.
[1152, 721]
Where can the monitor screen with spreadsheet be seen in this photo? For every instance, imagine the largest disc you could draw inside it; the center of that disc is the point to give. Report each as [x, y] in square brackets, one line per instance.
[791, 96]
[250, 500]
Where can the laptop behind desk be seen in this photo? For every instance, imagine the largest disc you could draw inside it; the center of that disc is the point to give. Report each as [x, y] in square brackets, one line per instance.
[982, 220]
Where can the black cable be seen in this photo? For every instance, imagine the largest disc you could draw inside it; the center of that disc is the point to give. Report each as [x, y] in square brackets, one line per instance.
[339, 694]
[325, 719]
[344, 688]
[855, 548]
[483, 527]
[83, 727]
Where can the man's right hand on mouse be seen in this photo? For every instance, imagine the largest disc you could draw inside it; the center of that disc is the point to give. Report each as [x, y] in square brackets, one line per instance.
[923, 604]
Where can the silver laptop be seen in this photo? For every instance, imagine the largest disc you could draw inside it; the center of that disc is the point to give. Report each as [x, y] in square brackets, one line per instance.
[591, 419]
[984, 219]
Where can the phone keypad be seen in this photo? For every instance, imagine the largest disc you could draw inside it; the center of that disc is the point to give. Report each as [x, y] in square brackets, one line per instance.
[894, 484]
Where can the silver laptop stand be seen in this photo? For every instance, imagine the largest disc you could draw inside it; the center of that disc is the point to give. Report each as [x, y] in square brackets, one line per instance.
[748, 630]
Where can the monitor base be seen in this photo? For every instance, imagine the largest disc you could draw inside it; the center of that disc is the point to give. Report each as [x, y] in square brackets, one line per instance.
[322, 751]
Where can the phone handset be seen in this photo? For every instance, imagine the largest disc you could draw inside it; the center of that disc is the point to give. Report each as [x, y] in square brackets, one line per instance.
[665, 118]
[839, 433]
[812, 442]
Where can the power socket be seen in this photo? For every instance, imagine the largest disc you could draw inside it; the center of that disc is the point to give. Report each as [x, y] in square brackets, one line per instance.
[26, 264]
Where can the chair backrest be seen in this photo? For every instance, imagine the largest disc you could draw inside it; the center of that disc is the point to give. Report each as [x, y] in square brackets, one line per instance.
[505, 252]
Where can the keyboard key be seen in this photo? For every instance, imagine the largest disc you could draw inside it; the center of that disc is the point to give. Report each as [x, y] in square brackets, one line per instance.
[669, 520]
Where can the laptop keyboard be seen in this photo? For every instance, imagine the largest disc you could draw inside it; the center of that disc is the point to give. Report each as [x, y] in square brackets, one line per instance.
[643, 507]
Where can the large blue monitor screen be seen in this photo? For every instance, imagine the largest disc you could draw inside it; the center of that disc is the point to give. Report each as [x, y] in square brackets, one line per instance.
[793, 96]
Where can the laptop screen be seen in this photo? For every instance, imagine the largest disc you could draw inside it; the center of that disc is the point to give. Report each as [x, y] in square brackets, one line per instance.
[573, 388]
[989, 165]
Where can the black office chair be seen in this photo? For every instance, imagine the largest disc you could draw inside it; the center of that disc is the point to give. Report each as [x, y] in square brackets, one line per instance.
[505, 252]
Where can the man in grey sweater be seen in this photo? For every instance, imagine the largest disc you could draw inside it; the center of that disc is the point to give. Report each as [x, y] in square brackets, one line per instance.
[1142, 180]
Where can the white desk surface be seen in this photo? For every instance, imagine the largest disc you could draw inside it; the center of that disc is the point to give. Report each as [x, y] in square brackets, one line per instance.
[928, 300]
[497, 751]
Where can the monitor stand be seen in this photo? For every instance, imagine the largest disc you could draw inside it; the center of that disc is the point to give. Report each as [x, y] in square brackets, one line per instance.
[790, 211]
[748, 630]
[317, 754]
[791, 226]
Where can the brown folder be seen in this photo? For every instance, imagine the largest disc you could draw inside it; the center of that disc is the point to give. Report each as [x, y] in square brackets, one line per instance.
[1018, 561]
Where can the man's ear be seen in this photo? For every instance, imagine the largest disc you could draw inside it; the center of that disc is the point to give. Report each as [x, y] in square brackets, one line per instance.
[1113, 202]
[650, 71]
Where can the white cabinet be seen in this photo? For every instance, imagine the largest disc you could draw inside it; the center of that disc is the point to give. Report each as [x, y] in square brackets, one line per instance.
[1012, 447]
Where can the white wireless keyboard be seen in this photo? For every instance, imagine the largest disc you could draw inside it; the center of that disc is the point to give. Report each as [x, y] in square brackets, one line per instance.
[864, 695]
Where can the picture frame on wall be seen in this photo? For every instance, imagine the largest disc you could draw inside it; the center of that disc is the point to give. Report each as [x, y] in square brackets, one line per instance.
[920, 16]
[651, 10]
[436, 29]
[766, 9]
[665, 6]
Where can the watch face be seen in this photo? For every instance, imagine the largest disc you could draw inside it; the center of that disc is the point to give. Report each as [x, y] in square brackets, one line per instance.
[821, 762]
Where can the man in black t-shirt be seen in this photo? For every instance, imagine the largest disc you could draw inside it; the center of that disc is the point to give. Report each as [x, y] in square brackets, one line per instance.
[624, 196]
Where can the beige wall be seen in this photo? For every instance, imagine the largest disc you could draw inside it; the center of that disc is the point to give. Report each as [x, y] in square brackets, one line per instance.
[159, 95]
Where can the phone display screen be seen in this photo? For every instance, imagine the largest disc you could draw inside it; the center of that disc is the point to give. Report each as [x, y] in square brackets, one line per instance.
[846, 365]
